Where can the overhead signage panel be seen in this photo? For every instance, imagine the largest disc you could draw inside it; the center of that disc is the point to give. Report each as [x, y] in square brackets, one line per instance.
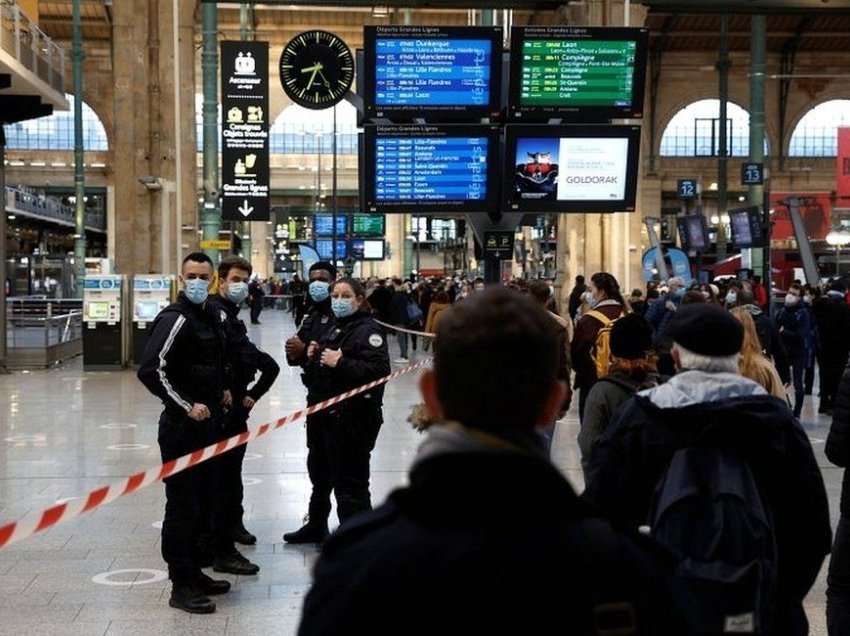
[245, 131]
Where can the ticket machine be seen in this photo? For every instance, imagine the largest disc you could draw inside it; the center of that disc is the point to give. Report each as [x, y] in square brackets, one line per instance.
[104, 311]
[151, 294]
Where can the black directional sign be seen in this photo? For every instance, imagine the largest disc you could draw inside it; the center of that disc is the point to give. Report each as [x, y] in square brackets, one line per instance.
[499, 244]
[245, 131]
[752, 174]
[687, 188]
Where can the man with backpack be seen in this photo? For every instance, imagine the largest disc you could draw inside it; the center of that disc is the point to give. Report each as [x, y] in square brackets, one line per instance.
[725, 477]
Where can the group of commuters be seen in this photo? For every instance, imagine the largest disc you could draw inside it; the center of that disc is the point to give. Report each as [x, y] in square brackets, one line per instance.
[704, 510]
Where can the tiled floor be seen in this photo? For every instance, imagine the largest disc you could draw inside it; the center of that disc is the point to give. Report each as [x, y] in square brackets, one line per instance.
[57, 428]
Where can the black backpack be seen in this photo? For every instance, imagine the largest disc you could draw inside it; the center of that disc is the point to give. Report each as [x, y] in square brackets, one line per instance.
[708, 511]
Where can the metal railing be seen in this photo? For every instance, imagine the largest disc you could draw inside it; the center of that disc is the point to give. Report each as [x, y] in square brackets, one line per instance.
[33, 332]
[40, 306]
[21, 38]
[47, 207]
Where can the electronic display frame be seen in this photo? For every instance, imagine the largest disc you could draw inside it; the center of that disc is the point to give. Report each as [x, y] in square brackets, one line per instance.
[361, 234]
[327, 218]
[754, 236]
[324, 248]
[491, 168]
[596, 113]
[516, 133]
[353, 250]
[431, 112]
[691, 227]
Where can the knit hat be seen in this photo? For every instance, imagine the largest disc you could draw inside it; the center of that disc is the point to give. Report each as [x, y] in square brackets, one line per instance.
[706, 329]
[631, 337]
[324, 265]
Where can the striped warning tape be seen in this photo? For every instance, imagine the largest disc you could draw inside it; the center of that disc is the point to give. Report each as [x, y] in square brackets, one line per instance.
[35, 522]
[424, 334]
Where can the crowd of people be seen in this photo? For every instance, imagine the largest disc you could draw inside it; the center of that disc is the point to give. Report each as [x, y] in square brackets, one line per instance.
[704, 510]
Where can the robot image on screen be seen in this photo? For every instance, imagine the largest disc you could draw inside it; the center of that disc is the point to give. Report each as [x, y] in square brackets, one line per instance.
[537, 169]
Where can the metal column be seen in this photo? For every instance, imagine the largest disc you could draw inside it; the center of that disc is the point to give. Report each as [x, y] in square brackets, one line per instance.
[758, 58]
[333, 194]
[723, 65]
[246, 32]
[211, 213]
[3, 272]
[79, 173]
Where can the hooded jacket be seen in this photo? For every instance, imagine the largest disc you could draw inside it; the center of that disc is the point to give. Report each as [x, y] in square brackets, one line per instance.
[724, 410]
[488, 538]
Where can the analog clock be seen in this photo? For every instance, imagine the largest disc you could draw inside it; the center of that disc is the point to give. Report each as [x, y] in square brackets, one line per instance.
[316, 69]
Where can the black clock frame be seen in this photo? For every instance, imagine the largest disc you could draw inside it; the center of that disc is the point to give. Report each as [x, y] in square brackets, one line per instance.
[296, 45]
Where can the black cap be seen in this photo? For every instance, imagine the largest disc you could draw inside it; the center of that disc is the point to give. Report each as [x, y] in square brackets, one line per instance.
[838, 286]
[324, 265]
[631, 337]
[706, 329]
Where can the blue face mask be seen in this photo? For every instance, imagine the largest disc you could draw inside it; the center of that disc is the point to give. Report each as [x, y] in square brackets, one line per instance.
[197, 290]
[679, 293]
[342, 307]
[237, 292]
[319, 291]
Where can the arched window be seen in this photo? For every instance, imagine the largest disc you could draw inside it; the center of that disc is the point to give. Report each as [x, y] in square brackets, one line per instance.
[695, 131]
[816, 133]
[299, 130]
[199, 123]
[56, 132]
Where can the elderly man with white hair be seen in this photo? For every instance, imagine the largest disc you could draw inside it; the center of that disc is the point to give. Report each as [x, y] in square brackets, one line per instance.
[725, 477]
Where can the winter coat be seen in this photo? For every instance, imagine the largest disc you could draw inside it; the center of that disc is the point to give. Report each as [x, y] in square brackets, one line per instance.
[838, 441]
[832, 316]
[722, 410]
[584, 339]
[434, 312]
[797, 329]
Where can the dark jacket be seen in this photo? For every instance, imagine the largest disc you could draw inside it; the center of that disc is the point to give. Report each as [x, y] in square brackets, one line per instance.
[574, 301]
[838, 441]
[380, 302]
[584, 339]
[604, 399]
[659, 315]
[481, 543]
[725, 410]
[771, 341]
[797, 330]
[398, 308]
[832, 316]
[184, 361]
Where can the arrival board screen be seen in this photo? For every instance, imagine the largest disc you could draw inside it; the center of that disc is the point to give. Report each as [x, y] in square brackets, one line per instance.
[570, 70]
[367, 225]
[324, 247]
[323, 224]
[572, 168]
[420, 71]
[439, 168]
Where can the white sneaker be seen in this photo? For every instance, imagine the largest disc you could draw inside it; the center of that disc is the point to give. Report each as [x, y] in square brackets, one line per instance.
[401, 361]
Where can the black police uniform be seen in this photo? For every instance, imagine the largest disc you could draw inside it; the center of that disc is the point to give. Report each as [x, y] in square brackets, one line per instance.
[184, 363]
[245, 360]
[315, 326]
[342, 445]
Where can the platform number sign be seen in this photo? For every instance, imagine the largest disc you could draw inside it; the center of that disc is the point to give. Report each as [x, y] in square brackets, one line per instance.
[752, 174]
[687, 189]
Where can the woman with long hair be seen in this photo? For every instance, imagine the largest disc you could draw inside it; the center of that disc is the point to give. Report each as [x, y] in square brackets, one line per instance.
[753, 364]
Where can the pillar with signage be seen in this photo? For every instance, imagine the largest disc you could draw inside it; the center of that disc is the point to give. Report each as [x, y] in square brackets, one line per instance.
[245, 131]
[151, 294]
[104, 322]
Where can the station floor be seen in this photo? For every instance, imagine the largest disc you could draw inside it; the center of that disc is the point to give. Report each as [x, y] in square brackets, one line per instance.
[64, 432]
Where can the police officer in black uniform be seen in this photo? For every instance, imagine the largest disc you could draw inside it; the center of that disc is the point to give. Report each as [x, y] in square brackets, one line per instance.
[318, 322]
[184, 365]
[245, 360]
[352, 354]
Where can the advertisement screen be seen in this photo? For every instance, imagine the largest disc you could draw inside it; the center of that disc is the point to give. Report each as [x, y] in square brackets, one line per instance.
[431, 168]
[413, 71]
[367, 250]
[572, 168]
[741, 234]
[584, 74]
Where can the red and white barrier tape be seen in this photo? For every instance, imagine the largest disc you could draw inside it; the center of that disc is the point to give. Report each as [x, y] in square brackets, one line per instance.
[60, 513]
[424, 334]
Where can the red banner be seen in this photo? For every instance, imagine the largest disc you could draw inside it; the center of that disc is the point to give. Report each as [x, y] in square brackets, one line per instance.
[842, 174]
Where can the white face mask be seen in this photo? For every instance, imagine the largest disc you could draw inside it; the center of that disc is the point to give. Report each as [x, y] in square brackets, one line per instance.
[791, 300]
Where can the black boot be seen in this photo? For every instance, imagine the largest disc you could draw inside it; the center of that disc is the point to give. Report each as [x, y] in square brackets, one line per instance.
[310, 532]
[190, 599]
[209, 586]
[241, 535]
[235, 563]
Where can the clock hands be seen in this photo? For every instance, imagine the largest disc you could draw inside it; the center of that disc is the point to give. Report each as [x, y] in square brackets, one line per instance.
[316, 68]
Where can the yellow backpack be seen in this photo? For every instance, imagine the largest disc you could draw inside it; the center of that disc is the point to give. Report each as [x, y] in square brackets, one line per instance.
[601, 352]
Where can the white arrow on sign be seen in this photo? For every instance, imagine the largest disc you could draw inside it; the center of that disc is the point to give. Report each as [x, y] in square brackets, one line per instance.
[246, 209]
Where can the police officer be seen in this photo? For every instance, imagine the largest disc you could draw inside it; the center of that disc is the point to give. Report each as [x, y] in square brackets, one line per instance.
[352, 354]
[245, 360]
[184, 365]
[318, 322]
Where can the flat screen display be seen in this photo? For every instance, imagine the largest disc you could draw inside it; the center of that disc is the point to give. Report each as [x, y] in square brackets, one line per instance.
[368, 225]
[693, 232]
[572, 168]
[97, 310]
[146, 310]
[367, 249]
[325, 249]
[428, 72]
[431, 168]
[577, 73]
[746, 225]
[323, 225]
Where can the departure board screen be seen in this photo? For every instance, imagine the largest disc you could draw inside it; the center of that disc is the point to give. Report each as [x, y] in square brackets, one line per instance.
[441, 168]
[572, 168]
[589, 74]
[325, 247]
[323, 224]
[432, 72]
[367, 225]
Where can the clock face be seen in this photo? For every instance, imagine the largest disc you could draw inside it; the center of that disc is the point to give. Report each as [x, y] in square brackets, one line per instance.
[316, 69]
